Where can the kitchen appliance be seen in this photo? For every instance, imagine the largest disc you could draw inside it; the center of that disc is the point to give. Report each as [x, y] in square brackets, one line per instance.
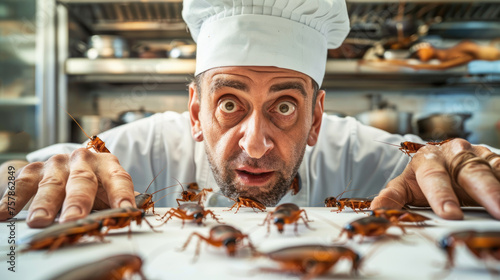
[439, 127]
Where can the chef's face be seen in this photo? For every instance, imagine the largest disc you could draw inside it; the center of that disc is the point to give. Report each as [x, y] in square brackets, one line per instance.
[255, 123]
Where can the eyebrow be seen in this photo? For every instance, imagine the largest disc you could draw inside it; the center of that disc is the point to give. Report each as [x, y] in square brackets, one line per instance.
[289, 85]
[220, 83]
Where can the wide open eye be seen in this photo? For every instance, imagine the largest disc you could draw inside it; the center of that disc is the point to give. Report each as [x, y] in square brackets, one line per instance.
[285, 108]
[228, 106]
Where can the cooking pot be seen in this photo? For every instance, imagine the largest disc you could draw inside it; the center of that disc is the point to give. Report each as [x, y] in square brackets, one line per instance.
[443, 126]
[107, 46]
[388, 119]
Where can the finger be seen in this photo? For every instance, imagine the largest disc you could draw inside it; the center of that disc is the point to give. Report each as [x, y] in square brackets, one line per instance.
[81, 187]
[394, 196]
[492, 158]
[481, 184]
[434, 181]
[50, 194]
[24, 188]
[116, 181]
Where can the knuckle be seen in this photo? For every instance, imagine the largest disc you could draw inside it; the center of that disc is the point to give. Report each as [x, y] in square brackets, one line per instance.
[81, 154]
[78, 198]
[24, 180]
[33, 167]
[51, 181]
[434, 173]
[58, 159]
[120, 174]
[83, 174]
[460, 144]
[475, 168]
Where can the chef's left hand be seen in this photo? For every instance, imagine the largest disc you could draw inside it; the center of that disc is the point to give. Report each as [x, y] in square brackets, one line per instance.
[446, 177]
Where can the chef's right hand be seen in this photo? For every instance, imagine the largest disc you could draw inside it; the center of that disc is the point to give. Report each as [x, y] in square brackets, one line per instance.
[72, 183]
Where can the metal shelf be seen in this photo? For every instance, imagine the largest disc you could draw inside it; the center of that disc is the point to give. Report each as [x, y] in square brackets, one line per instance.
[84, 66]
[21, 101]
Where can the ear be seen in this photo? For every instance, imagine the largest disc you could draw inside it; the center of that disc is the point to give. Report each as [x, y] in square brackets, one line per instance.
[194, 112]
[317, 118]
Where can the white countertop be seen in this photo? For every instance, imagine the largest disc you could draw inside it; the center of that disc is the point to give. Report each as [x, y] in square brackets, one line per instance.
[412, 257]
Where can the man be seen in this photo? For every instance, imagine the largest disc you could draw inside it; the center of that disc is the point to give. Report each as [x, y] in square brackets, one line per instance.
[256, 117]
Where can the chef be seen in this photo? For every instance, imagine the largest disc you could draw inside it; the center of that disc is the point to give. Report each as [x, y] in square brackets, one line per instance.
[255, 123]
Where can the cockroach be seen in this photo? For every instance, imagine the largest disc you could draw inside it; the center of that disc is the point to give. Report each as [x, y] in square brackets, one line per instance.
[191, 195]
[483, 244]
[354, 203]
[370, 226]
[221, 235]
[115, 267]
[145, 201]
[409, 148]
[295, 187]
[440, 143]
[341, 203]
[189, 211]
[399, 215]
[119, 218]
[406, 147]
[247, 202]
[312, 260]
[60, 235]
[95, 142]
[286, 213]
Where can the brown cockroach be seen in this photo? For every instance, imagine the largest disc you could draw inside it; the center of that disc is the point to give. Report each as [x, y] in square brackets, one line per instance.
[145, 201]
[286, 213]
[354, 203]
[115, 267]
[370, 226]
[95, 142]
[190, 194]
[247, 202]
[341, 203]
[409, 148]
[295, 187]
[483, 244]
[189, 211]
[60, 235]
[399, 215]
[221, 235]
[119, 218]
[312, 260]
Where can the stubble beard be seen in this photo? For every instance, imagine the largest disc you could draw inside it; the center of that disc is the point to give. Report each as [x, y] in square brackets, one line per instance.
[269, 195]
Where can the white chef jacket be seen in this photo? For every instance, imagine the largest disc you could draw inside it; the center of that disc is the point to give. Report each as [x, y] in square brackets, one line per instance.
[346, 150]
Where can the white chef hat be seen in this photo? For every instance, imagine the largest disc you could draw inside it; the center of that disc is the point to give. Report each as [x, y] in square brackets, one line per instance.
[291, 34]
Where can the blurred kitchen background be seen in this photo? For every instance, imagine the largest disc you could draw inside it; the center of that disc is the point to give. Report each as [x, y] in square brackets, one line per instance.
[109, 62]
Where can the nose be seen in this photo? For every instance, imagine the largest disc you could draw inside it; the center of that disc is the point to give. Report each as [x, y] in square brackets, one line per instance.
[255, 140]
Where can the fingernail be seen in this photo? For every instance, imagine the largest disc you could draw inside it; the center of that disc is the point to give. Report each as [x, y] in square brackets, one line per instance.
[38, 214]
[125, 203]
[71, 213]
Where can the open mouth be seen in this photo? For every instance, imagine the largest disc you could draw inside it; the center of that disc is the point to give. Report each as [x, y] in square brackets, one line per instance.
[254, 178]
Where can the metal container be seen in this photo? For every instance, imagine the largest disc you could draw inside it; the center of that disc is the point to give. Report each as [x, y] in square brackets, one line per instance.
[389, 120]
[443, 126]
[107, 46]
